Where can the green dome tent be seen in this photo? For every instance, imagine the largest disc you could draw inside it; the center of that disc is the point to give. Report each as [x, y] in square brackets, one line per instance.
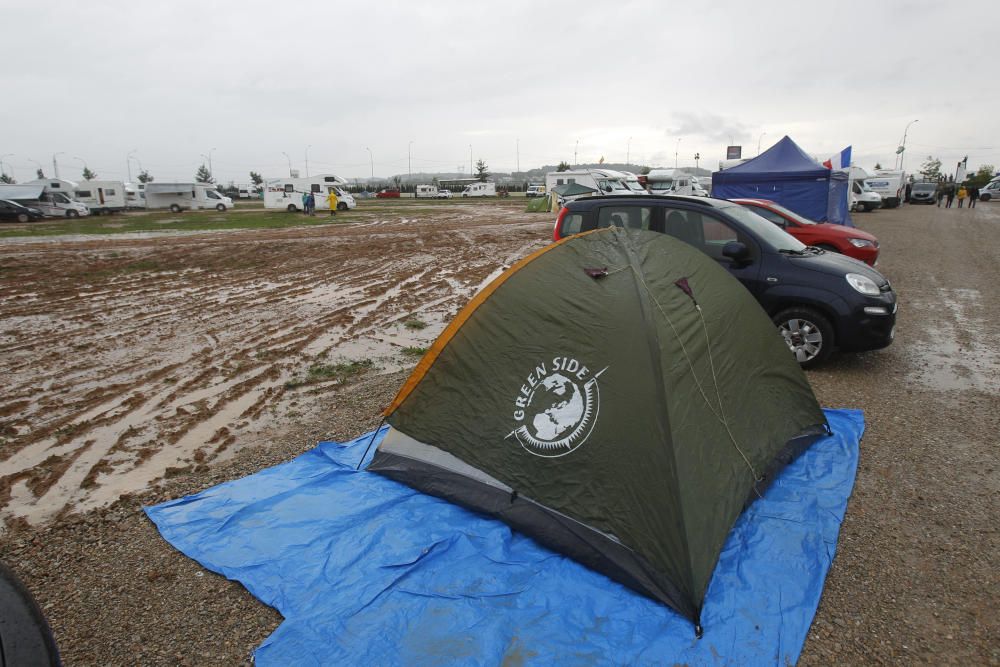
[617, 396]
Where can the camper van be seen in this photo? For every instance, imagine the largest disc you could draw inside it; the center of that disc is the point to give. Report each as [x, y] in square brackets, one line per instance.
[56, 199]
[890, 185]
[674, 182]
[428, 191]
[102, 197]
[287, 193]
[180, 196]
[862, 197]
[135, 195]
[488, 189]
[605, 181]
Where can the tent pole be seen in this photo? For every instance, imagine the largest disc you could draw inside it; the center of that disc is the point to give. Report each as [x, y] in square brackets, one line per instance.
[368, 448]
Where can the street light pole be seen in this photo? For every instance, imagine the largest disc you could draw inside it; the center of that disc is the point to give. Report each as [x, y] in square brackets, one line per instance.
[128, 163]
[575, 150]
[902, 146]
[289, 163]
[677, 150]
[55, 165]
[371, 157]
[470, 160]
[517, 154]
[758, 141]
[409, 160]
[210, 169]
[628, 152]
[307, 159]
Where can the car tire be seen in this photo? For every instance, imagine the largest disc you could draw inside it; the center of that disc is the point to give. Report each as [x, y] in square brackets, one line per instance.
[985, 197]
[72, 214]
[291, 208]
[808, 334]
[341, 206]
[23, 217]
[221, 208]
[174, 208]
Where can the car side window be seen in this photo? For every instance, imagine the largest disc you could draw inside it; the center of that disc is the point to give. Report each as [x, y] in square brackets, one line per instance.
[572, 224]
[704, 232]
[626, 217]
[768, 214]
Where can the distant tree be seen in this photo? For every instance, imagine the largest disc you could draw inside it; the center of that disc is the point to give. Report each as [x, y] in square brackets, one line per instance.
[41, 174]
[878, 165]
[88, 175]
[644, 171]
[144, 177]
[563, 166]
[203, 175]
[256, 178]
[482, 171]
[4, 178]
[931, 168]
[397, 181]
[983, 175]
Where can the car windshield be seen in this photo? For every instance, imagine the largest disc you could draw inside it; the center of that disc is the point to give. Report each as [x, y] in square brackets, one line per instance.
[791, 214]
[924, 187]
[634, 185]
[660, 185]
[765, 230]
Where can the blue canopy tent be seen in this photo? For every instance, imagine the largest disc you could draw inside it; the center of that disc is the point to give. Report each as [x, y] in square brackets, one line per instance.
[786, 175]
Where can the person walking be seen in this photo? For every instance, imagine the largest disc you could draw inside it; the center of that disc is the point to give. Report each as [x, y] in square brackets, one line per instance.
[973, 196]
[939, 194]
[333, 201]
[305, 203]
[949, 195]
[311, 204]
[962, 194]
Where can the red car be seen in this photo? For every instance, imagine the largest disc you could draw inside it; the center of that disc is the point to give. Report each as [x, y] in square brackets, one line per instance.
[848, 241]
[386, 194]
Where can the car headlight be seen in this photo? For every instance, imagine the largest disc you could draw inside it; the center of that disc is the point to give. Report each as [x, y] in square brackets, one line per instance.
[860, 243]
[862, 284]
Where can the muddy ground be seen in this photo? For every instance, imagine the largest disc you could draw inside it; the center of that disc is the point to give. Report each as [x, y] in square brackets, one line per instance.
[144, 367]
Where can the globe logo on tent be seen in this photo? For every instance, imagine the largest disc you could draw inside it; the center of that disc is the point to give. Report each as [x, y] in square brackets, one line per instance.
[557, 405]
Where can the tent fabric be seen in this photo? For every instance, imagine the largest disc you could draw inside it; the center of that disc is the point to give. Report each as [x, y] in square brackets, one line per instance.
[838, 209]
[367, 571]
[784, 174]
[602, 403]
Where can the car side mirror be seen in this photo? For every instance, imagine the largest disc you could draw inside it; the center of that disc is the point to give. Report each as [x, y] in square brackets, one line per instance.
[737, 252]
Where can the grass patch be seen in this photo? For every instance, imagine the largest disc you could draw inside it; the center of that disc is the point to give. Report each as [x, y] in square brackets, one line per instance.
[415, 324]
[414, 351]
[340, 373]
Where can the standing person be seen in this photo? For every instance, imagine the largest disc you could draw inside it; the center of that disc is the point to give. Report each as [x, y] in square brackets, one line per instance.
[949, 194]
[333, 200]
[973, 196]
[962, 194]
[305, 203]
[939, 193]
[311, 204]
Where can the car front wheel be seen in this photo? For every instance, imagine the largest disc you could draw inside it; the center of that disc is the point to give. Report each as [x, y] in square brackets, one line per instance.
[341, 206]
[72, 214]
[807, 333]
[985, 197]
[220, 207]
[22, 217]
[174, 208]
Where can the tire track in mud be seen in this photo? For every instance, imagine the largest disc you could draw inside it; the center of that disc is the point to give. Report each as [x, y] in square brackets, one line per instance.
[144, 356]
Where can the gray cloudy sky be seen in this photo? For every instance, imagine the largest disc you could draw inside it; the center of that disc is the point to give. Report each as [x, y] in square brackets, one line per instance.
[251, 80]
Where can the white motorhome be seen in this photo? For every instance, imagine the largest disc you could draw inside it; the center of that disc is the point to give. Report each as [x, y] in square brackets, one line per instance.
[605, 181]
[430, 191]
[674, 182]
[487, 189]
[180, 196]
[890, 185]
[862, 197]
[102, 197]
[56, 199]
[287, 193]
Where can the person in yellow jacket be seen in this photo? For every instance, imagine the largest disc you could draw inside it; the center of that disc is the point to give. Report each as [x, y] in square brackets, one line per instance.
[333, 200]
[962, 194]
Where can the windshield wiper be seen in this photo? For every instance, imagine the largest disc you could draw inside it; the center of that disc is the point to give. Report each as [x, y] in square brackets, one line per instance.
[789, 251]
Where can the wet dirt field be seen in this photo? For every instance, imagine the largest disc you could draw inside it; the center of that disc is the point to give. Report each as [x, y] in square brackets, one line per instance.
[139, 368]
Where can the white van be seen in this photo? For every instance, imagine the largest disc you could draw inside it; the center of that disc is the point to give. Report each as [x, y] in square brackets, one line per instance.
[429, 191]
[56, 199]
[102, 197]
[862, 197]
[674, 182]
[487, 189]
[286, 193]
[890, 185]
[990, 191]
[180, 196]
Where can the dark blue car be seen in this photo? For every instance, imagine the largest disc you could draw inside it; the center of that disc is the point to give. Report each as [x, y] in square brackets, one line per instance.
[819, 300]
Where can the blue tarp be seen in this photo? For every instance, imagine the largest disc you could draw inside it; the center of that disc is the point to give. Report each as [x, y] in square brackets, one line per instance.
[367, 571]
[784, 174]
